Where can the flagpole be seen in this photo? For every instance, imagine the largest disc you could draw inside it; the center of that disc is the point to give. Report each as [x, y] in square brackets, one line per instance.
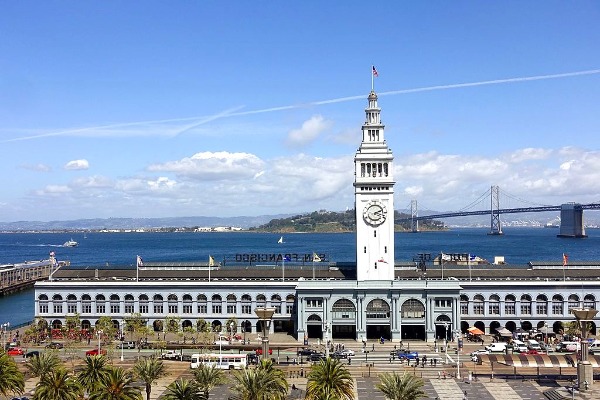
[283, 270]
[442, 259]
[313, 266]
[209, 267]
[469, 263]
[137, 269]
[372, 79]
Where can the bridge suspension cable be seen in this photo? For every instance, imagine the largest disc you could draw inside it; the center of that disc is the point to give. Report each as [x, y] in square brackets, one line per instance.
[480, 200]
[528, 202]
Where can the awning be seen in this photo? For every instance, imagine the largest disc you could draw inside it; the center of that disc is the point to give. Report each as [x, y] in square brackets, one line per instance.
[536, 360]
[475, 331]
[504, 332]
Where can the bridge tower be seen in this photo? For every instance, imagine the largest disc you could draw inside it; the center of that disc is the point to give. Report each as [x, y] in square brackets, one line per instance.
[414, 214]
[495, 225]
[571, 221]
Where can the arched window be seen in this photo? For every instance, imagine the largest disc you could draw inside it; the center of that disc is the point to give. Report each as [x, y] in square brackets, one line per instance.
[412, 308]
[86, 304]
[343, 308]
[378, 309]
[261, 301]
[144, 304]
[100, 304]
[129, 304]
[43, 303]
[478, 304]
[246, 304]
[158, 304]
[510, 302]
[217, 304]
[557, 304]
[172, 304]
[289, 304]
[115, 304]
[526, 304]
[276, 303]
[72, 304]
[57, 303]
[494, 305]
[589, 301]
[573, 301]
[464, 304]
[541, 304]
[231, 304]
[202, 304]
[187, 304]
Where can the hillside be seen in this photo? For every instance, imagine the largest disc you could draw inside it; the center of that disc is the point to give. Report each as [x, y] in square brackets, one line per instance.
[331, 221]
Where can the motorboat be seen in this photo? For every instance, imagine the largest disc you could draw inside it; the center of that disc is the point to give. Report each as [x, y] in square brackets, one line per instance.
[70, 243]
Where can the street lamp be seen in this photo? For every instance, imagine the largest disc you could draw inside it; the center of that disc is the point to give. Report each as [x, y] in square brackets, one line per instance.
[99, 333]
[265, 314]
[326, 325]
[122, 337]
[3, 329]
[585, 371]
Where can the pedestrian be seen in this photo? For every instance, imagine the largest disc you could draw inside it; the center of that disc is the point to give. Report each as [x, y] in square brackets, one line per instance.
[373, 349]
[349, 360]
[287, 358]
[390, 359]
[302, 372]
[293, 387]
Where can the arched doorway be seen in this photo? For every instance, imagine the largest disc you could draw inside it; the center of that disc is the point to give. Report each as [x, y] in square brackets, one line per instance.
[314, 327]
[479, 325]
[443, 327]
[157, 326]
[511, 326]
[558, 327]
[378, 319]
[494, 326]
[464, 325]
[412, 313]
[343, 314]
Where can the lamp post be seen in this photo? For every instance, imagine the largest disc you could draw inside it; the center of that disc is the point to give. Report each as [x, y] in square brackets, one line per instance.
[457, 332]
[3, 328]
[265, 314]
[585, 371]
[122, 338]
[326, 326]
[99, 333]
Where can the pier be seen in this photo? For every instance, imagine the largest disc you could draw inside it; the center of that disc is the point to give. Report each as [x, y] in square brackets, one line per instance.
[20, 276]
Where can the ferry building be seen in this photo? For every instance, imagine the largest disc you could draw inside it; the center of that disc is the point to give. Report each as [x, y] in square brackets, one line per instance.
[372, 298]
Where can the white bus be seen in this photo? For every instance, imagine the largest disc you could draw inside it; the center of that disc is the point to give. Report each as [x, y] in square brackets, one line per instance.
[222, 361]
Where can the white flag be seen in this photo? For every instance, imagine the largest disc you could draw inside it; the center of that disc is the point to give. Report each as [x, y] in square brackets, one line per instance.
[140, 263]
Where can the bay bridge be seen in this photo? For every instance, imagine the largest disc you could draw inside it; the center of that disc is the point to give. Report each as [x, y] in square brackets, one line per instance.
[571, 214]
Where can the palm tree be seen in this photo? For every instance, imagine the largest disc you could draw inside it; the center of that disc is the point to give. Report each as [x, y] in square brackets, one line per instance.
[57, 384]
[11, 379]
[116, 385]
[207, 378]
[94, 371]
[184, 389]
[401, 387]
[149, 370]
[264, 382]
[43, 363]
[329, 379]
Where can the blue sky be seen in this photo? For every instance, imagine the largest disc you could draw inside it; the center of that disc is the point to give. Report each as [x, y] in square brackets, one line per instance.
[159, 109]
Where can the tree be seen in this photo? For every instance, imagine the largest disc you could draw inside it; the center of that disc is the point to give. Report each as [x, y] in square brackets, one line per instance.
[105, 324]
[401, 387]
[264, 382]
[184, 389]
[11, 379]
[207, 378]
[138, 328]
[329, 379]
[43, 363]
[116, 384]
[58, 384]
[149, 370]
[94, 371]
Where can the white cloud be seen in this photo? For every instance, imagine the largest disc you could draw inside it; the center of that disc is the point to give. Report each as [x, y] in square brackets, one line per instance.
[53, 190]
[37, 167]
[77, 165]
[213, 166]
[530, 154]
[309, 132]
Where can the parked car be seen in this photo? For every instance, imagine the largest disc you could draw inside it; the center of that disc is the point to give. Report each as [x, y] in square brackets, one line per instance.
[171, 355]
[530, 352]
[15, 351]
[95, 352]
[497, 347]
[126, 345]
[348, 352]
[317, 357]
[54, 345]
[33, 353]
[338, 355]
[306, 352]
[475, 355]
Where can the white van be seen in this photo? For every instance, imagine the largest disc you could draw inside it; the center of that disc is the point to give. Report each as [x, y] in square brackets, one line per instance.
[594, 346]
[498, 347]
[568, 346]
[519, 346]
[534, 345]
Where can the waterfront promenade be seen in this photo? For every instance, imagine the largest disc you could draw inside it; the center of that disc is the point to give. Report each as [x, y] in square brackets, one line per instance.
[477, 380]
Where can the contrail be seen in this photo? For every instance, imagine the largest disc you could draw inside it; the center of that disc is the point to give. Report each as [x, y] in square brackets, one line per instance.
[232, 112]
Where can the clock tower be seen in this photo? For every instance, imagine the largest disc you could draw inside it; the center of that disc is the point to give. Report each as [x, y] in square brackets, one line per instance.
[374, 200]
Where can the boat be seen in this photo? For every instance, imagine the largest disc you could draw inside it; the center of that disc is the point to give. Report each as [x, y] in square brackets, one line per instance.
[70, 243]
[280, 240]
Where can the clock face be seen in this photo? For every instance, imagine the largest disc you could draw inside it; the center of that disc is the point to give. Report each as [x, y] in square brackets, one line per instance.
[374, 213]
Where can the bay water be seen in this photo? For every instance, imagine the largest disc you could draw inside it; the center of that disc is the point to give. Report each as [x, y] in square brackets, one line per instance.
[119, 250]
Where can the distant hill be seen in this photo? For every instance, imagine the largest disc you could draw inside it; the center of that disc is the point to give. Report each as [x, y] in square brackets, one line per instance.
[331, 221]
[137, 223]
